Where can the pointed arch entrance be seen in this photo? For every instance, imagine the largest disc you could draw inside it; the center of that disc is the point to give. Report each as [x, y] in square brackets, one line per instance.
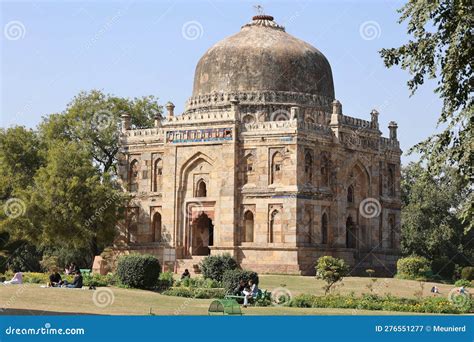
[351, 233]
[202, 235]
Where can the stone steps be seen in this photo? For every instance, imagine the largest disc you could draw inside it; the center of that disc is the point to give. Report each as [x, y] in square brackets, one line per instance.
[192, 264]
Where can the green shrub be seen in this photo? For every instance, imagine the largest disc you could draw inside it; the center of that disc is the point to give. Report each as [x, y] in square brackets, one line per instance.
[231, 278]
[214, 266]
[413, 267]
[98, 280]
[467, 273]
[198, 282]
[138, 271]
[189, 292]
[462, 282]
[443, 267]
[384, 303]
[165, 281]
[331, 270]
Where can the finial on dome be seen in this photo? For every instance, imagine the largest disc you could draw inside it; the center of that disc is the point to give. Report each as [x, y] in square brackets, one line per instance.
[258, 9]
[264, 20]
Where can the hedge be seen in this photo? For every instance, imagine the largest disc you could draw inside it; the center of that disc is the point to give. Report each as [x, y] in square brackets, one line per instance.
[231, 278]
[214, 266]
[413, 267]
[190, 292]
[139, 271]
[385, 303]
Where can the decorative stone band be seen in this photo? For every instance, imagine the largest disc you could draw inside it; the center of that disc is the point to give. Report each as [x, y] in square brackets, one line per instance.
[258, 98]
[267, 126]
[199, 135]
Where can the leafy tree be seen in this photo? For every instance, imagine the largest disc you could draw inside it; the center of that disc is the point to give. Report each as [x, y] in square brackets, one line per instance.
[442, 48]
[68, 205]
[93, 118]
[430, 223]
[21, 154]
[331, 270]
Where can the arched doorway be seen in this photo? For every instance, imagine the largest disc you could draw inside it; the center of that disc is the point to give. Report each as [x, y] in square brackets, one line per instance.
[351, 233]
[156, 228]
[202, 235]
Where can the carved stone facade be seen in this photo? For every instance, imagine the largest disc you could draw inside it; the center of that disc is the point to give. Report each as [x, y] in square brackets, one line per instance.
[276, 178]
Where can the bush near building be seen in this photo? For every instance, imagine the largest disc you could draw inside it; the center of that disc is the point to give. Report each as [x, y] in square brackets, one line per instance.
[413, 267]
[214, 266]
[139, 271]
[231, 278]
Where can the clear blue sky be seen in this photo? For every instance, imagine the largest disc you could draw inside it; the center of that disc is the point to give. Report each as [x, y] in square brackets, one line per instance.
[135, 48]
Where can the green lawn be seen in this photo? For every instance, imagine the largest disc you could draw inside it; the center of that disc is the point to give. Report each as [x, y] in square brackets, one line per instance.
[32, 299]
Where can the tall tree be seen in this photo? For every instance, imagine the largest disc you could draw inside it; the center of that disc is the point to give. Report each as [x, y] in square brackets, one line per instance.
[442, 48]
[69, 204]
[21, 154]
[430, 222]
[93, 118]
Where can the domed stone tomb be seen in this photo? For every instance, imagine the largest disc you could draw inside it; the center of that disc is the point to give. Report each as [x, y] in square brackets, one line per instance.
[263, 164]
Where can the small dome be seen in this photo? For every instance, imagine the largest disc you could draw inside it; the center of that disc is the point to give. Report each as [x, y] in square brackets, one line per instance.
[263, 57]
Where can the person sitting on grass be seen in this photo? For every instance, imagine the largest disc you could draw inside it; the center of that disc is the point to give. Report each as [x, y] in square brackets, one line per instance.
[238, 291]
[55, 279]
[72, 269]
[77, 282]
[250, 293]
[17, 279]
[186, 274]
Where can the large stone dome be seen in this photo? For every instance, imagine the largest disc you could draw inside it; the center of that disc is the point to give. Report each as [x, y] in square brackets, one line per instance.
[263, 57]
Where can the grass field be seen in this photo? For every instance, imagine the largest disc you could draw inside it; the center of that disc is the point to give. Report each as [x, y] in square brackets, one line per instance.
[31, 299]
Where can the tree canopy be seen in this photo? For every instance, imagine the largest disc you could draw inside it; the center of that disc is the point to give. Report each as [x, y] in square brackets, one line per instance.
[442, 48]
[58, 190]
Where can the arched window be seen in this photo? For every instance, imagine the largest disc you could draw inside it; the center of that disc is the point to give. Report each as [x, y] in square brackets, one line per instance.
[351, 233]
[275, 227]
[308, 166]
[133, 175]
[324, 170]
[392, 230]
[350, 194]
[391, 181]
[201, 189]
[132, 225]
[277, 167]
[249, 163]
[156, 228]
[309, 224]
[248, 227]
[248, 169]
[324, 228]
[157, 180]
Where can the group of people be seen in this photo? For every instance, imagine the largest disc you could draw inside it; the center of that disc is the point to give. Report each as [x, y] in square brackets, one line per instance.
[248, 290]
[55, 279]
